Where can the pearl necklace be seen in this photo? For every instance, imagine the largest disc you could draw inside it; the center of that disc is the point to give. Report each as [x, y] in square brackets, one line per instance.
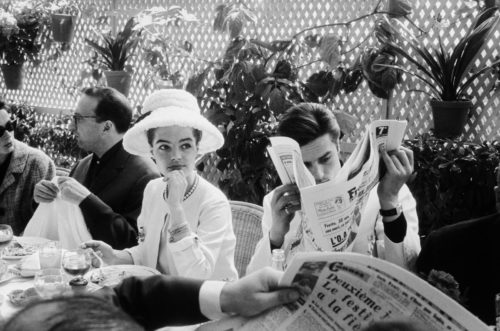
[188, 193]
[191, 191]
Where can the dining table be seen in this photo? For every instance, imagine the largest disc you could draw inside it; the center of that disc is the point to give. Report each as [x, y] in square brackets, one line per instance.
[13, 280]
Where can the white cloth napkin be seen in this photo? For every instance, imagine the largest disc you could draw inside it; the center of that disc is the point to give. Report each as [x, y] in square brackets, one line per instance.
[59, 220]
[29, 265]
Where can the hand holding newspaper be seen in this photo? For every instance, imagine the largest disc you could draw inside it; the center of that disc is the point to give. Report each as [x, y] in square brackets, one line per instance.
[332, 210]
[349, 291]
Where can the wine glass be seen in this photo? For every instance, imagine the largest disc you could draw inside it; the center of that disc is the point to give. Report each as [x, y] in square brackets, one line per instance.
[6, 236]
[76, 262]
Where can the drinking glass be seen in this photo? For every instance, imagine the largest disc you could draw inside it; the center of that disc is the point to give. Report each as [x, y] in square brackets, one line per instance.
[76, 262]
[50, 255]
[50, 283]
[6, 236]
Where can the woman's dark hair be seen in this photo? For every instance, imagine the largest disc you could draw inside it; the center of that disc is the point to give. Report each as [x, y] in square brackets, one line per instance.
[151, 133]
[306, 122]
[112, 106]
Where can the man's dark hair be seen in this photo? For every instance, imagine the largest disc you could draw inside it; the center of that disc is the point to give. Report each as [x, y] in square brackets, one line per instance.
[306, 122]
[112, 106]
[75, 313]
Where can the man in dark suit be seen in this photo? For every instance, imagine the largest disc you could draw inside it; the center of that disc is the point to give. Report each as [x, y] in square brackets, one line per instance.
[108, 184]
[155, 302]
[470, 252]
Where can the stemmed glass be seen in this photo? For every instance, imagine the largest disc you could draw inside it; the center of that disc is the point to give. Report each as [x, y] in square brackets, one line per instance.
[76, 262]
[6, 236]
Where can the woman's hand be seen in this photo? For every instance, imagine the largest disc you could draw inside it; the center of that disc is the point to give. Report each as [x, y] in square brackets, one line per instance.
[284, 204]
[105, 251]
[399, 164]
[176, 188]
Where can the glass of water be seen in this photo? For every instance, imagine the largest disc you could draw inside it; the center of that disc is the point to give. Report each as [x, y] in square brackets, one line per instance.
[50, 283]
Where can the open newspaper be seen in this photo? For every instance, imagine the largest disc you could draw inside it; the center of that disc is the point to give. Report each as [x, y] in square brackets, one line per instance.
[349, 291]
[332, 210]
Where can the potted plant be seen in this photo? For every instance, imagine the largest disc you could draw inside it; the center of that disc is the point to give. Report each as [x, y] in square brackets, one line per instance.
[63, 17]
[22, 30]
[113, 55]
[447, 74]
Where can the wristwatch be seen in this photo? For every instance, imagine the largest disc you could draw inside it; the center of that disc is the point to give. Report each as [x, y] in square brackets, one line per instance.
[392, 212]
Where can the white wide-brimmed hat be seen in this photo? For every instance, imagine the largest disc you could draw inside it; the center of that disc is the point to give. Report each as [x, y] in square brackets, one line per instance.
[167, 108]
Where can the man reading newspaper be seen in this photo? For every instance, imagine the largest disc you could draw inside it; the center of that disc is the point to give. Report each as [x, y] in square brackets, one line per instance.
[322, 206]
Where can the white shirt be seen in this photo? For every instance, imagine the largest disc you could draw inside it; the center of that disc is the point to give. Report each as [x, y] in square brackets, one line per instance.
[370, 239]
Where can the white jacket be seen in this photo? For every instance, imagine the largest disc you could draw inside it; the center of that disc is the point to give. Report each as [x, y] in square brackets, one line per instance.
[208, 253]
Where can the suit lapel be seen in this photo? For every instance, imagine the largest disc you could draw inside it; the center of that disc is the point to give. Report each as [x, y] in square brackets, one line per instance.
[16, 166]
[110, 171]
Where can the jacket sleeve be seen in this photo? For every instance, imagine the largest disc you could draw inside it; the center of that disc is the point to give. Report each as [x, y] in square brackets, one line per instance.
[197, 254]
[262, 256]
[159, 301]
[120, 231]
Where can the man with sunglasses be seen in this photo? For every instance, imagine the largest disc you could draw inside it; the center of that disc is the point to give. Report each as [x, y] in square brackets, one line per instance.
[109, 183]
[21, 167]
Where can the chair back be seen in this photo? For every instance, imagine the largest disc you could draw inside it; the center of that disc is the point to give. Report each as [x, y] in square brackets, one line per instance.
[248, 231]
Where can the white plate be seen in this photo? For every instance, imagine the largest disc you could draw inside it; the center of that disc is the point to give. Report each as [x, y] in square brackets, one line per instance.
[114, 274]
[32, 242]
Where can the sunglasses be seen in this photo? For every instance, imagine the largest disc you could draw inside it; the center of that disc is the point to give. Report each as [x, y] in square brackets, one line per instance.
[7, 127]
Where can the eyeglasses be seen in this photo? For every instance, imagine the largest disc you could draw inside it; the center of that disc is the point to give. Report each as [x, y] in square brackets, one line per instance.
[77, 117]
[7, 127]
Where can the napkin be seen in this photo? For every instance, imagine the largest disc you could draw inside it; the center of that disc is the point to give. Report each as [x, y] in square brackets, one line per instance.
[29, 265]
[60, 221]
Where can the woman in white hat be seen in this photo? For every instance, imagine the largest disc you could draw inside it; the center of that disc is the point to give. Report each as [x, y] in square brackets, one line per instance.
[185, 226]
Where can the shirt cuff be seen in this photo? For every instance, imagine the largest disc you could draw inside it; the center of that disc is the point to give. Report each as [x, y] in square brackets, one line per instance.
[210, 292]
[184, 243]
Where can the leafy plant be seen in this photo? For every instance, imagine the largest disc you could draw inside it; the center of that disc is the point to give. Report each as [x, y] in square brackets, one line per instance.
[116, 50]
[158, 47]
[23, 31]
[454, 180]
[232, 17]
[55, 139]
[66, 7]
[446, 73]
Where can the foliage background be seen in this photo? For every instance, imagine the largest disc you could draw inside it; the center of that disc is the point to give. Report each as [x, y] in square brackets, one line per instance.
[46, 86]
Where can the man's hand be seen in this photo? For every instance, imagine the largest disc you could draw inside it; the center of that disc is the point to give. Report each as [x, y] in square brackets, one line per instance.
[399, 164]
[45, 191]
[71, 190]
[256, 293]
[284, 204]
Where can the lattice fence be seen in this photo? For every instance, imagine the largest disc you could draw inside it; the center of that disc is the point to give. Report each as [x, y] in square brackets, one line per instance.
[277, 19]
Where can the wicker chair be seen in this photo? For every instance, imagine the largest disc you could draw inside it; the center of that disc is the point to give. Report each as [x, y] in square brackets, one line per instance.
[247, 228]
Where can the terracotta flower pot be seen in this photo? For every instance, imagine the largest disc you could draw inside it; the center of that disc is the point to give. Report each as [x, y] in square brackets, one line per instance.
[63, 27]
[450, 117]
[13, 75]
[119, 80]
